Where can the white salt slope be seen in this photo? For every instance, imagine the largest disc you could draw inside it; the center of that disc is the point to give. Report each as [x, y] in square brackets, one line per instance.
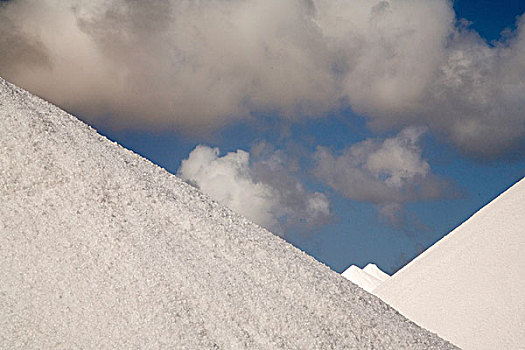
[375, 271]
[470, 286]
[101, 249]
[361, 278]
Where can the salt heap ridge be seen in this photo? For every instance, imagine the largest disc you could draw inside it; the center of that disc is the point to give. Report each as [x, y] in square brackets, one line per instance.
[100, 249]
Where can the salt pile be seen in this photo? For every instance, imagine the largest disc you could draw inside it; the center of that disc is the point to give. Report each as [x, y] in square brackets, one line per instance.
[469, 287]
[100, 249]
[375, 271]
[368, 278]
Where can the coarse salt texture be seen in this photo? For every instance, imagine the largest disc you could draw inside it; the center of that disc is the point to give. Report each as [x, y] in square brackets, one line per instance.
[101, 249]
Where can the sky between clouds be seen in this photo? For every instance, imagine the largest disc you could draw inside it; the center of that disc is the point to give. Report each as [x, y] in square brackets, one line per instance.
[410, 68]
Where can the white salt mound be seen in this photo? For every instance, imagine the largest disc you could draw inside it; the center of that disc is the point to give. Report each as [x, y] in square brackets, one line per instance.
[375, 271]
[469, 287]
[362, 278]
[100, 249]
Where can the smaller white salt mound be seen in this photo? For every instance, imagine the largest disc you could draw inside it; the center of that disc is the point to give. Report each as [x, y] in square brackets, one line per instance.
[368, 278]
[375, 271]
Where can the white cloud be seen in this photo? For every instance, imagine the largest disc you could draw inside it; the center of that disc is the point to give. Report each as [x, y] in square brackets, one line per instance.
[407, 62]
[477, 96]
[263, 191]
[198, 65]
[195, 65]
[388, 173]
[390, 49]
[398, 159]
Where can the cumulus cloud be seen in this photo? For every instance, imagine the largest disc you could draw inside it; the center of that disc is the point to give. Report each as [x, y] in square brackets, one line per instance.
[410, 62]
[390, 49]
[193, 65]
[19, 50]
[477, 96]
[388, 173]
[198, 65]
[263, 191]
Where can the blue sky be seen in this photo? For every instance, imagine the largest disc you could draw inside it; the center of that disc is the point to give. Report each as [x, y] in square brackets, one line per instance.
[355, 235]
[404, 126]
